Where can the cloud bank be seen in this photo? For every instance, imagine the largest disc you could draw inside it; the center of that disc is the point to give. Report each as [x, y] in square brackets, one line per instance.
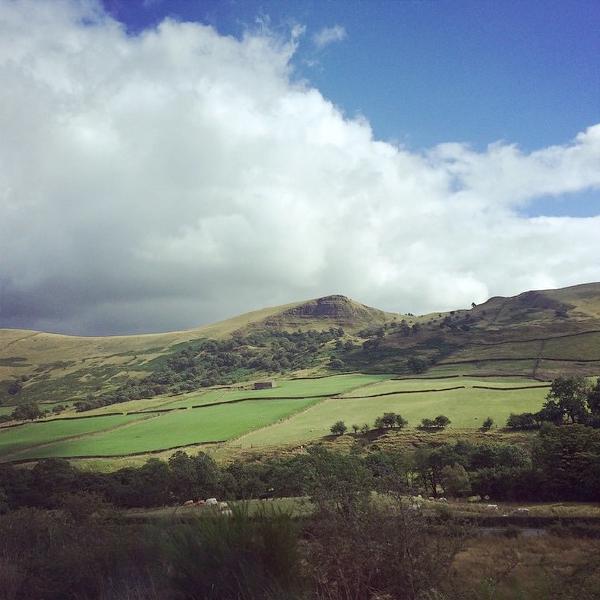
[180, 176]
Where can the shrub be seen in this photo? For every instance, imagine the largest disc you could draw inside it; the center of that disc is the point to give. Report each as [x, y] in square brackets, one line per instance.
[237, 556]
[487, 424]
[338, 428]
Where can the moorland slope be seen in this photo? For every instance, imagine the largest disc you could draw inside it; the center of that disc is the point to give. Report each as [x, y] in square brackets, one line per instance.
[534, 334]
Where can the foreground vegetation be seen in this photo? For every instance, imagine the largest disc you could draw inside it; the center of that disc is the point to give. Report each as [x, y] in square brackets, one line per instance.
[367, 535]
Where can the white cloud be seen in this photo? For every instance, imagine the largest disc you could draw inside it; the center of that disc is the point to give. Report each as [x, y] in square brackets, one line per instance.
[181, 176]
[329, 35]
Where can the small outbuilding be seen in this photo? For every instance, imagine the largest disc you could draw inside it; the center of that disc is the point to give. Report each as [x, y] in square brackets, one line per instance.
[263, 385]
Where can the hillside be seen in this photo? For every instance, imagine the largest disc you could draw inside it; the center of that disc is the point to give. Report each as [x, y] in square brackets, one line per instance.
[535, 334]
[56, 368]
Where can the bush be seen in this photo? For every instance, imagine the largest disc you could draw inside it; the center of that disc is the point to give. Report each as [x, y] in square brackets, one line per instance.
[338, 428]
[238, 556]
[379, 553]
[487, 424]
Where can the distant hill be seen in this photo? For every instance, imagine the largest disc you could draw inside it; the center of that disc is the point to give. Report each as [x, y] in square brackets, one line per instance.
[537, 333]
[51, 367]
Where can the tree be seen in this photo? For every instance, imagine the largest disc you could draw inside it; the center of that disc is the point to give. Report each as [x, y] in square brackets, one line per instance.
[416, 364]
[455, 480]
[338, 428]
[442, 421]
[593, 398]
[401, 422]
[570, 396]
[522, 421]
[365, 428]
[437, 424]
[27, 412]
[355, 428]
[14, 388]
[487, 424]
[427, 424]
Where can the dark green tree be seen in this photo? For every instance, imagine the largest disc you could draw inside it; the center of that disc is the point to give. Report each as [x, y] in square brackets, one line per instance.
[27, 412]
[570, 396]
[338, 428]
[487, 424]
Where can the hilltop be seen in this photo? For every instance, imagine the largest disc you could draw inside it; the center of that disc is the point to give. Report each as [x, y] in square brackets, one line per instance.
[535, 334]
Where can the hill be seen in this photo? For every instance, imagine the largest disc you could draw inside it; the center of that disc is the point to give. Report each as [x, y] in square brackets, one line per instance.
[50, 368]
[534, 334]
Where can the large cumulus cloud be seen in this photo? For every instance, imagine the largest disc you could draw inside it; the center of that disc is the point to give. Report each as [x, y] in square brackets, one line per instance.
[180, 176]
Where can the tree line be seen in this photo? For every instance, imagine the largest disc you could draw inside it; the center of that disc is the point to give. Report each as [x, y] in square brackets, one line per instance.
[563, 463]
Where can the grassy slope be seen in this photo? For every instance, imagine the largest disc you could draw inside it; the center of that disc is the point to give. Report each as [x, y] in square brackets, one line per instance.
[60, 367]
[179, 428]
[25, 436]
[466, 408]
[268, 421]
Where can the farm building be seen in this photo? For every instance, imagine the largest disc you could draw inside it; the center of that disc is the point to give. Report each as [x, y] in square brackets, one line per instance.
[264, 385]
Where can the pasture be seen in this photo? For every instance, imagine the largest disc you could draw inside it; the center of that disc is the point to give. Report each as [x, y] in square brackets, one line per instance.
[14, 439]
[466, 408]
[295, 411]
[177, 428]
[286, 388]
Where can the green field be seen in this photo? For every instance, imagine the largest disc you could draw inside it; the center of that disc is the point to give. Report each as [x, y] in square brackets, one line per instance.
[467, 408]
[263, 419]
[408, 385]
[294, 388]
[179, 428]
[16, 438]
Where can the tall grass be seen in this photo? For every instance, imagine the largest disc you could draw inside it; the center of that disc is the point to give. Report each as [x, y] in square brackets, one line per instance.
[237, 556]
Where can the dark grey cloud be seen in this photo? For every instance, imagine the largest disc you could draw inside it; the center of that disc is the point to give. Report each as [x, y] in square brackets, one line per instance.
[174, 178]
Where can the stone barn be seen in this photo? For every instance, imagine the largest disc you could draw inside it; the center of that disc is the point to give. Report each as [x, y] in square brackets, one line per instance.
[264, 385]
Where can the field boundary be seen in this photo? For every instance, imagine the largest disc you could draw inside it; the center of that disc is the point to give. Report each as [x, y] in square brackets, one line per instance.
[507, 359]
[501, 389]
[237, 400]
[458, 387]
[331, 375]
[537, 339]
[158, 451]
[70, 438]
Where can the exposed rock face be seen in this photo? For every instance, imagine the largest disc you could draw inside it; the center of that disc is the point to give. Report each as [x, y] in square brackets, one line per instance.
[335, 309]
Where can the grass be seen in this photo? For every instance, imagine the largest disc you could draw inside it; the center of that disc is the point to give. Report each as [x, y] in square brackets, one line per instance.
[466, 408]
[407, 385]
[296, 388]
[574, 347]
[178, 428]
[267, 420]
[25, 436]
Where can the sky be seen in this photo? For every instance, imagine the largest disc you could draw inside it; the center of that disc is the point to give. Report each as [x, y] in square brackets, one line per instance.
[169, 163]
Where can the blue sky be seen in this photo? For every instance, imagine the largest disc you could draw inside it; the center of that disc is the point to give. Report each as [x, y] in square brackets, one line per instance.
[159, 178]
[428, 72]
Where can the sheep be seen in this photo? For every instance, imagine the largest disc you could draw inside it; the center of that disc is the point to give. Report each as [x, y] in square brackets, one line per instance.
[188, 503]
[211, 502]
[492, 507]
